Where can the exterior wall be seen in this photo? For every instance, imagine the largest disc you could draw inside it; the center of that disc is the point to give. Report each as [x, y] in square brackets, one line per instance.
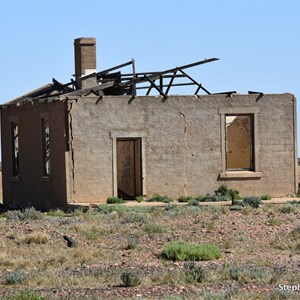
[31, 189]
[182, 144]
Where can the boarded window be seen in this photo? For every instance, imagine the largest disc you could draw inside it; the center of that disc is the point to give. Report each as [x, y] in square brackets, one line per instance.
[46, 146]
[15, 149]
[239, 142]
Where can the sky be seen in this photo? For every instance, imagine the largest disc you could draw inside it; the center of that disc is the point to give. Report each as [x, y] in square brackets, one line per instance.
[258, 42]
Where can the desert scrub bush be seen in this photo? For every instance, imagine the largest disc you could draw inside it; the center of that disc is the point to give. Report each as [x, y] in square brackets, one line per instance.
[194, 202]
[154, 228]
[184, 198]
[132, 242]
[159, 198]
[131, 278]
[254, 202]
[193, 273]
[250, 274]
[265, 197]
[296, 232]
[139, 199]
[182, 251]
[16, 277]
[135, 217]
[287, 209]
[24, 215]
[25, 295]
[114, 200]
[35, 238]
[109, 208]
[274, 222]
[212, 198]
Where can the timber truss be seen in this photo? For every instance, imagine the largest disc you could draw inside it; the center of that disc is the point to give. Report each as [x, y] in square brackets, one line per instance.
[112, 82]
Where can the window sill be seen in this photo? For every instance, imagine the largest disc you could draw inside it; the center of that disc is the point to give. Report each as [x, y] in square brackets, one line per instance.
[240, 174]
[46, 179]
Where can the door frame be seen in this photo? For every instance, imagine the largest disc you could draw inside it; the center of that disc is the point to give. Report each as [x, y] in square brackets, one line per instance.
[124, 135]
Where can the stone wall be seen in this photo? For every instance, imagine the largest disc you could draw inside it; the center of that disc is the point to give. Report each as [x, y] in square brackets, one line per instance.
[183, 148]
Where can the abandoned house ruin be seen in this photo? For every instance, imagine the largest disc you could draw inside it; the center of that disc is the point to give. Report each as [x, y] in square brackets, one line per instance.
[96, 136]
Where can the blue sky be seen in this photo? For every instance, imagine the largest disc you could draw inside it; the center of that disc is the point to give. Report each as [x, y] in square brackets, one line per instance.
[258, 42]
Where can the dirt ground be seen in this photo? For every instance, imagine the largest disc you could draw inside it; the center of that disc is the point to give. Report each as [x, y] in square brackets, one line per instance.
[260, 252]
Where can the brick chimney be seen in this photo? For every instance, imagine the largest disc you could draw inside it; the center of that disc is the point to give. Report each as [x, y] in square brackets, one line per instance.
[85, 62]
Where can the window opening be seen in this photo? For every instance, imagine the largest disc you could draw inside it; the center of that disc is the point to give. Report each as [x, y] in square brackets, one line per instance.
[15, 149]
[239, 142]
[46, 146]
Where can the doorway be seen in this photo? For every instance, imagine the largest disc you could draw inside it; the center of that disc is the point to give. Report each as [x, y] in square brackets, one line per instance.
[129, 168]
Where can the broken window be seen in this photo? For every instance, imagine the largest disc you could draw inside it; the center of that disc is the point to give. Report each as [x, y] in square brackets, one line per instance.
[239, 142]
[15, 149]
[46, 146]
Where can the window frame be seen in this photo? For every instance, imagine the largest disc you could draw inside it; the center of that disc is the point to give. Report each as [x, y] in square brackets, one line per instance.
[46, 176]
[15, 161]
[231, 174]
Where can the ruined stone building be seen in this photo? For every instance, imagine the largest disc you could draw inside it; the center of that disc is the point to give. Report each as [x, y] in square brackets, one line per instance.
[95, 137]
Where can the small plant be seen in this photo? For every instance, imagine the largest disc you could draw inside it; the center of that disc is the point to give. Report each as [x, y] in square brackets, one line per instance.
[114, 200]
[132, 242]
[139, 199]
[287, 209]
[158, 198]
[265, 197]
[131, 278]
[193, 273]
[154, 228]
[23, 215]
[194, 202]
[252, 201]
[296, 232]
[185, 198]
[36, 238]
[109, 208]
[26, 295]
[250, 274]
[274, 222]
[212, 198]
[134, 217]
[182, 251]
[14, 278]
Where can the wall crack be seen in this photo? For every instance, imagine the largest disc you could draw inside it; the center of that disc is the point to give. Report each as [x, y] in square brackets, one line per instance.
[184, 173]
[71, 147]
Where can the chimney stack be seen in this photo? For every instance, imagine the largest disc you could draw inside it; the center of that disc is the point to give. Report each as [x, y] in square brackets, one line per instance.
[85, 62]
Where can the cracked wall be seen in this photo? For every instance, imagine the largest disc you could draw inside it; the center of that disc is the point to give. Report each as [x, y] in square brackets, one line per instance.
[183, 143]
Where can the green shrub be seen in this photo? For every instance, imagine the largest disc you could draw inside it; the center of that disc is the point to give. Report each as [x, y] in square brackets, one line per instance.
[109, 208]
[180, 250]
[154, 228]
[250, 274]
[131, 278]
[185, 198]
[265, 197]
[287, 209]
[158, 198]
[254, 202]
[25, 295]
[132, 242]
[274, 222]
[135, 217]
[194, 202]
[193, 273]
[114, 200]
[14, 278]
[296, 232]
[24, 215]
[139, 199]
[212, 198]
